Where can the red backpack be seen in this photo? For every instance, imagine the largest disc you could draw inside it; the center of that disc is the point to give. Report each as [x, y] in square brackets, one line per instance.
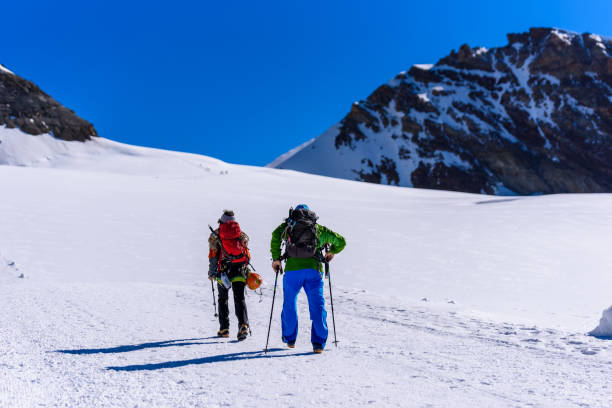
[229, 232]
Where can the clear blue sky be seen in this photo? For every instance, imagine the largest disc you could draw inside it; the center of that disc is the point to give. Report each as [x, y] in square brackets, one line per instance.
[245, 81]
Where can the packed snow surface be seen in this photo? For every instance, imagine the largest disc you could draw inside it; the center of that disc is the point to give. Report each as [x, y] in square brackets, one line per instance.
[441, 299]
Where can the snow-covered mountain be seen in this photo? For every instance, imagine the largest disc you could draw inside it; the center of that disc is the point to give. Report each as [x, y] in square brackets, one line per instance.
[532, 117]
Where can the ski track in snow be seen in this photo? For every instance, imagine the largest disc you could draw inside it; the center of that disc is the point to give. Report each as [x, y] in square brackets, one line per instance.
[115, 309]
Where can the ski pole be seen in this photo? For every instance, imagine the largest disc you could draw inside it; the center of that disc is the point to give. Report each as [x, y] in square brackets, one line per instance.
[212, 286]
[271, 310]
[331, 300]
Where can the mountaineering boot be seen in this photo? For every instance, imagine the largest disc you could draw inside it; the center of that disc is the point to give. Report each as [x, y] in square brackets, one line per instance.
[317, 348]
[243, 332]
[290, 344]
[223, 333]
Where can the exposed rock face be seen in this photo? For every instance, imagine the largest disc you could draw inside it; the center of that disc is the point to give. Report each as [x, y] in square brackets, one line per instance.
[23, 105]
[532, 117]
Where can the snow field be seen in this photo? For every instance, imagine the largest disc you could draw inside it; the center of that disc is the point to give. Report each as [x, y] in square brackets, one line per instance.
[115, 308]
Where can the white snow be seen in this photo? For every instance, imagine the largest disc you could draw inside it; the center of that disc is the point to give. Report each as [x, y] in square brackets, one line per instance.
[596, 38]
[453, 159]
[423, 97]
[604, 329]
[424, 67]
[565, 36]
[284, 157]
[444, 67]
[571, 101]
[6, 70]
[522, 73]
[599, 42]
[116, 310]
[480, 50]
[501, 189]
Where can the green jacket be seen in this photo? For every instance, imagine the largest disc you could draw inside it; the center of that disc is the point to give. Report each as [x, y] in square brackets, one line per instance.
[326, 236]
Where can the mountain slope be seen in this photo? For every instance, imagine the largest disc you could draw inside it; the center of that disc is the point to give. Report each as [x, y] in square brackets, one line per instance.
[532, 117]
[99, 154]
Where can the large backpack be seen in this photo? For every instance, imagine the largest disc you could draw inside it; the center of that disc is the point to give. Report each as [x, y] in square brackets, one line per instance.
[302, 238]
[233, 248]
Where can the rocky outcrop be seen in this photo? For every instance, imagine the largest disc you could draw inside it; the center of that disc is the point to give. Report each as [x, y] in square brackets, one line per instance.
[23, 105]
[532, 117]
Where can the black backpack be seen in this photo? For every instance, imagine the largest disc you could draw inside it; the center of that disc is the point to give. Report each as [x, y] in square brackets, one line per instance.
[302, 240]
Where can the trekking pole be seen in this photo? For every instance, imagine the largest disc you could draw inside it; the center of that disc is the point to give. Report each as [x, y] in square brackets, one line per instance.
[331, 300]
[212, 286]
[271, 311]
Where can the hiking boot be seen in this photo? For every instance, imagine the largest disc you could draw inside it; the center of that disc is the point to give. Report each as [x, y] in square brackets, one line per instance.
[223, 333]
[317, 348]
[243, 332]
[289, 344]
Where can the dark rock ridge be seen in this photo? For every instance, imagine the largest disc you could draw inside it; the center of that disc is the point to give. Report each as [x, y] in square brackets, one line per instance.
[23, 105]
[532, 117]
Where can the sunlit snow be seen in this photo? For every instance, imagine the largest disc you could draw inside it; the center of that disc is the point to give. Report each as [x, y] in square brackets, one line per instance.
[447, 299]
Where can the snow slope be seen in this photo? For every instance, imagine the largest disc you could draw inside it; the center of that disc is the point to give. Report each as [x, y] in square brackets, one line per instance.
[99, 154]
[441, 299]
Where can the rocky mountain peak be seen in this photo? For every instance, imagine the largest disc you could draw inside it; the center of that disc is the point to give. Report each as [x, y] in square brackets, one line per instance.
[534, 116]
[25, 106]
[554, 51]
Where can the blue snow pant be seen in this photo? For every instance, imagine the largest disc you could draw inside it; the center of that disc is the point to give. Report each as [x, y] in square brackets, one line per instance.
[312, 282]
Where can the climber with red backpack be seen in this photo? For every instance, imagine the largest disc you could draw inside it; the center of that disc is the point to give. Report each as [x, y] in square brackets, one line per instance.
[229, 259]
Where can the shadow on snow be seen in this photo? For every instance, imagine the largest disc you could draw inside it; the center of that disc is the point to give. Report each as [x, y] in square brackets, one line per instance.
[502, 200]
[247, 355]
[134, 347]
[607, 338]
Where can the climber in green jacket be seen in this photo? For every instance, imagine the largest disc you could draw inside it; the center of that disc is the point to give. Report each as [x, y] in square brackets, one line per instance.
[304, 242]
